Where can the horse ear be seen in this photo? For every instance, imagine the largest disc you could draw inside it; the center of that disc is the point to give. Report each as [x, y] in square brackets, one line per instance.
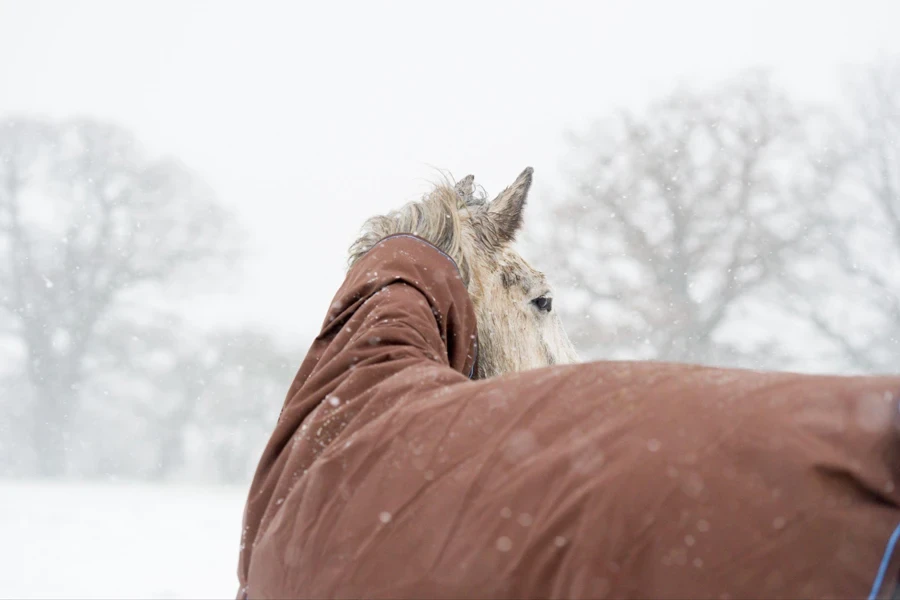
[506, 209]
[465, 187]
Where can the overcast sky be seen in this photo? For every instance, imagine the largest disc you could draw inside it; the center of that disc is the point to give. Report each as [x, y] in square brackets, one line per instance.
[307, 118]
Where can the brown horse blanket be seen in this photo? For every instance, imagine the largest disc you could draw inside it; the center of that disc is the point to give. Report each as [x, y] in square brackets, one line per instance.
[392, 474]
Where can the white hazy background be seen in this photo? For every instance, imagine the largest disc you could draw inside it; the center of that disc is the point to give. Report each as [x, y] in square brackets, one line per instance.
[305, 119]
[308, 118]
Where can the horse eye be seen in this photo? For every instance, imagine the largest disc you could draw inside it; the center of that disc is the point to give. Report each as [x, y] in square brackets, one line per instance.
[543, 303]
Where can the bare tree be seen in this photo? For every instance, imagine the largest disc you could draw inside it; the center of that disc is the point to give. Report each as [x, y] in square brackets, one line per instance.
[242, 400]
[86, 216]
[680, 219]
[188, 404]
[856, 305]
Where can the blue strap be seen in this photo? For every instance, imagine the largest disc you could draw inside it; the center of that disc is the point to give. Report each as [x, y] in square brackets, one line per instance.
[885, 561]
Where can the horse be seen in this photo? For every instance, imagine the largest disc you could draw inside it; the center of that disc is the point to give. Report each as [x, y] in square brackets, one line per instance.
[391, 474]
[517, 326]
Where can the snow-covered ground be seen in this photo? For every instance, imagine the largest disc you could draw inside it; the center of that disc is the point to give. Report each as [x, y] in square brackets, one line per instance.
[63, 540]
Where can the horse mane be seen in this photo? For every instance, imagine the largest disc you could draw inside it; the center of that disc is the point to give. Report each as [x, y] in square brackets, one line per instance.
[437, 218]
[458, 219]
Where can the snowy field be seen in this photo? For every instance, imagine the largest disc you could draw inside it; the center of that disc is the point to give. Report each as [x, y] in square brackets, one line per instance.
[119, 540]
